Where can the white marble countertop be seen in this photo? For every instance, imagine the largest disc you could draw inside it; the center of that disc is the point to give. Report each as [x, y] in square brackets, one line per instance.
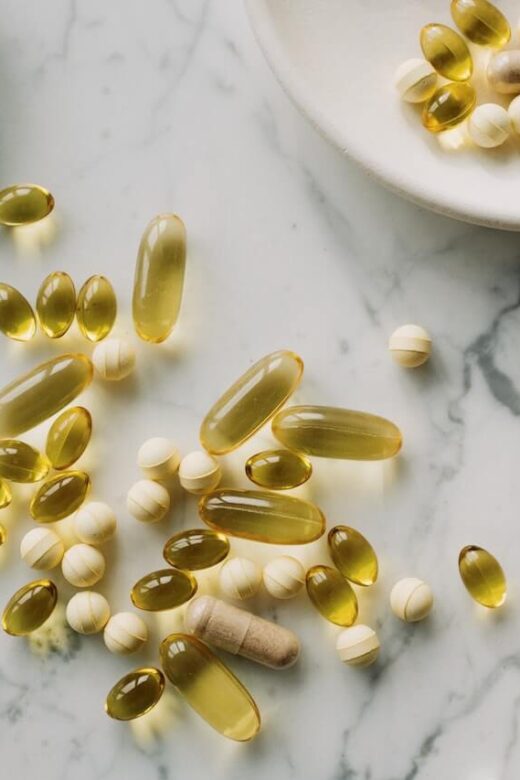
[126, 109]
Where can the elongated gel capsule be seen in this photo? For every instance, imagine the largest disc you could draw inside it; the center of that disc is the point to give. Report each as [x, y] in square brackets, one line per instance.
[96, 308]
[59, 496]
[135, 694]
[19, 462]
[483, 576]
[56, 304]
[332, 595]
[29, 607]
[17, 318]
[22, 204]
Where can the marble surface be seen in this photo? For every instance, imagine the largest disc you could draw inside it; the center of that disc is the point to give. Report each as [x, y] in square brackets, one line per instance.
[126, 109]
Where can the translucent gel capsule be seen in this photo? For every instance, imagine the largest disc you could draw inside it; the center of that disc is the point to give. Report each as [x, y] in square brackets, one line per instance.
[96, 308]
[353, 555]
[262, 516]
[163, 589]
[3, 535]
[196, 549]
[448, 106]
[17, 318]
[30, 607]
[483, 576]
[5, 494]
[159, 278]
[19, 462]
[251, 401]
[68, 437]
[59, 496]
[24, 203]
[447, 51]
[56, 304]
[481, 22]
[209, 687]
[330, 432]
[135, 694]
[332, 595]
[278, 469]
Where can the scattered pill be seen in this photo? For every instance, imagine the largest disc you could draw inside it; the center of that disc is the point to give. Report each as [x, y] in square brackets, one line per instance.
[158, 458]
[415, 80]
[29, 607]
[163, 589]
[135, 694]
[22, 204]
[68, 437]
[125, 633]
[284, 577]
[489, 125]
[41, 548]
[503, 72]
[56, 304]
[353, 555]
[19, 462]
[95, 523]
[332, 595]
[96, 308]
[411, 599]
[483, 576]
[240, 578]
[481, 22]
[449, 105]
[514, 113]
[197, 548]
[59, 496]
[358, 645]
[410, 346]
[199, 473]
[114, 359]
[148, 501]
[88, 612]
[278, 469]
[446, 51]
[17, 319]
[83, 565]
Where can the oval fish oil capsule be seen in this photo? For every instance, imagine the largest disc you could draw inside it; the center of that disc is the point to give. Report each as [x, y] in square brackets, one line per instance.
[159, 278]
[481, 22]
[37, 395]
[59, 496]
[262, 516]
[483, 576]
[19, 462]
[5, 494]
[447, 51]
[278, 469]
[330, 432]
[353, 555]
[17, 320]
[196, 549]
[332, 595]
[56, 304]
[96, 308]
[135, 694]
[68, 437]
[450, 105]
[22, 204]
[251, 401]
[163, 589]
[29, 607]
[209, 687]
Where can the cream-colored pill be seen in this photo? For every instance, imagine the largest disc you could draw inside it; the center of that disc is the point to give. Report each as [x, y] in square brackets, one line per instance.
[358, 645]
[411, 599]
[95, 523]
[114, 359]
[415, 80]
[514, 113]
[284, 577]
[199, 473]
[87, 612]
[83, 565]
[125, 633]
[148, 501]
[410, 346]
[240, 578]
[158, 458]
[503, 71]
[489, 125]
[41, 548]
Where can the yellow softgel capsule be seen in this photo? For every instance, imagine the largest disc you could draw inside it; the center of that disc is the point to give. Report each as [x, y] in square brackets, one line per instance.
[22, 204]
[5, 494]
[163, 589]
[135, 694]
[483, 576]
[19, 462]
[3, 535]
[68, 437]
[59, 496]
[262, 516]
[56, 304]
[29, 607]
[450, 105]
[278, 469]
[331, 432]
[37, 395]
[447, 51]
[17, 318]
[96, 308]
[332, 595]
[251, 401]
[209, 687]
[353, 555]
[197, 548]
[481, 22]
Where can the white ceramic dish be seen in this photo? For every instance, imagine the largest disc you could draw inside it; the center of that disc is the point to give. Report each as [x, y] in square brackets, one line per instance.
[336, 59]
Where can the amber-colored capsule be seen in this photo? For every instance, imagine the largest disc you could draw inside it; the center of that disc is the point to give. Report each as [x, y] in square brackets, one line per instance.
[5, 494]
[22, 204]
[481, 22]
[353, 555]
[135, 694]
[450, 105]
[262, 516]
[483, 576]
[196, 549]
[3, 535]
[447, 51]
[30, 607]
[17, 318]
[209, 687]
[59, 496]
[278, 469]
[163, 589]
[332, 595]
[19, 462]
[56, 304]
[97, 308]
[68, 437]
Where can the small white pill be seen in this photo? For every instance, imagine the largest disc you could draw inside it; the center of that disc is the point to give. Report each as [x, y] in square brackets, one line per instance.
[83, 565]
[415, 80]
[199, 472]
[114, 359]
[87, 612]
[410, 346]
[358, 645]
[411, 599]
[95, 523]
[514, 113]
[284, 577]
[41, 548]
[125, 633]
[240, 578]
[148, 501]
[503, 71]
[489, 125]
[158, 458]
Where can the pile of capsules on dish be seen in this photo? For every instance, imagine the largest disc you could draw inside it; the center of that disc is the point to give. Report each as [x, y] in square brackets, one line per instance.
[267, 514]
[447, 54]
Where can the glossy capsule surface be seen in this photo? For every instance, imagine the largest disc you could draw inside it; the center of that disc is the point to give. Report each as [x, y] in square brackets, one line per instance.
[5, 494]
[68, 437]
[332, 595]
[163, 589]
[209, 687]
[22, 204]
[483, 576]
[251, 401]
[29, 607]
[198, 548]
[3, 535]
[59, 496]
[262, 516]
[448, 106]
[19, 462]
[331, 432]
[135, 694]
[447, 51]
[353, 555]
[96, 308]
[278, 469]
[481, 22]
[17, 320]
[37, 395]
[56, 304]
